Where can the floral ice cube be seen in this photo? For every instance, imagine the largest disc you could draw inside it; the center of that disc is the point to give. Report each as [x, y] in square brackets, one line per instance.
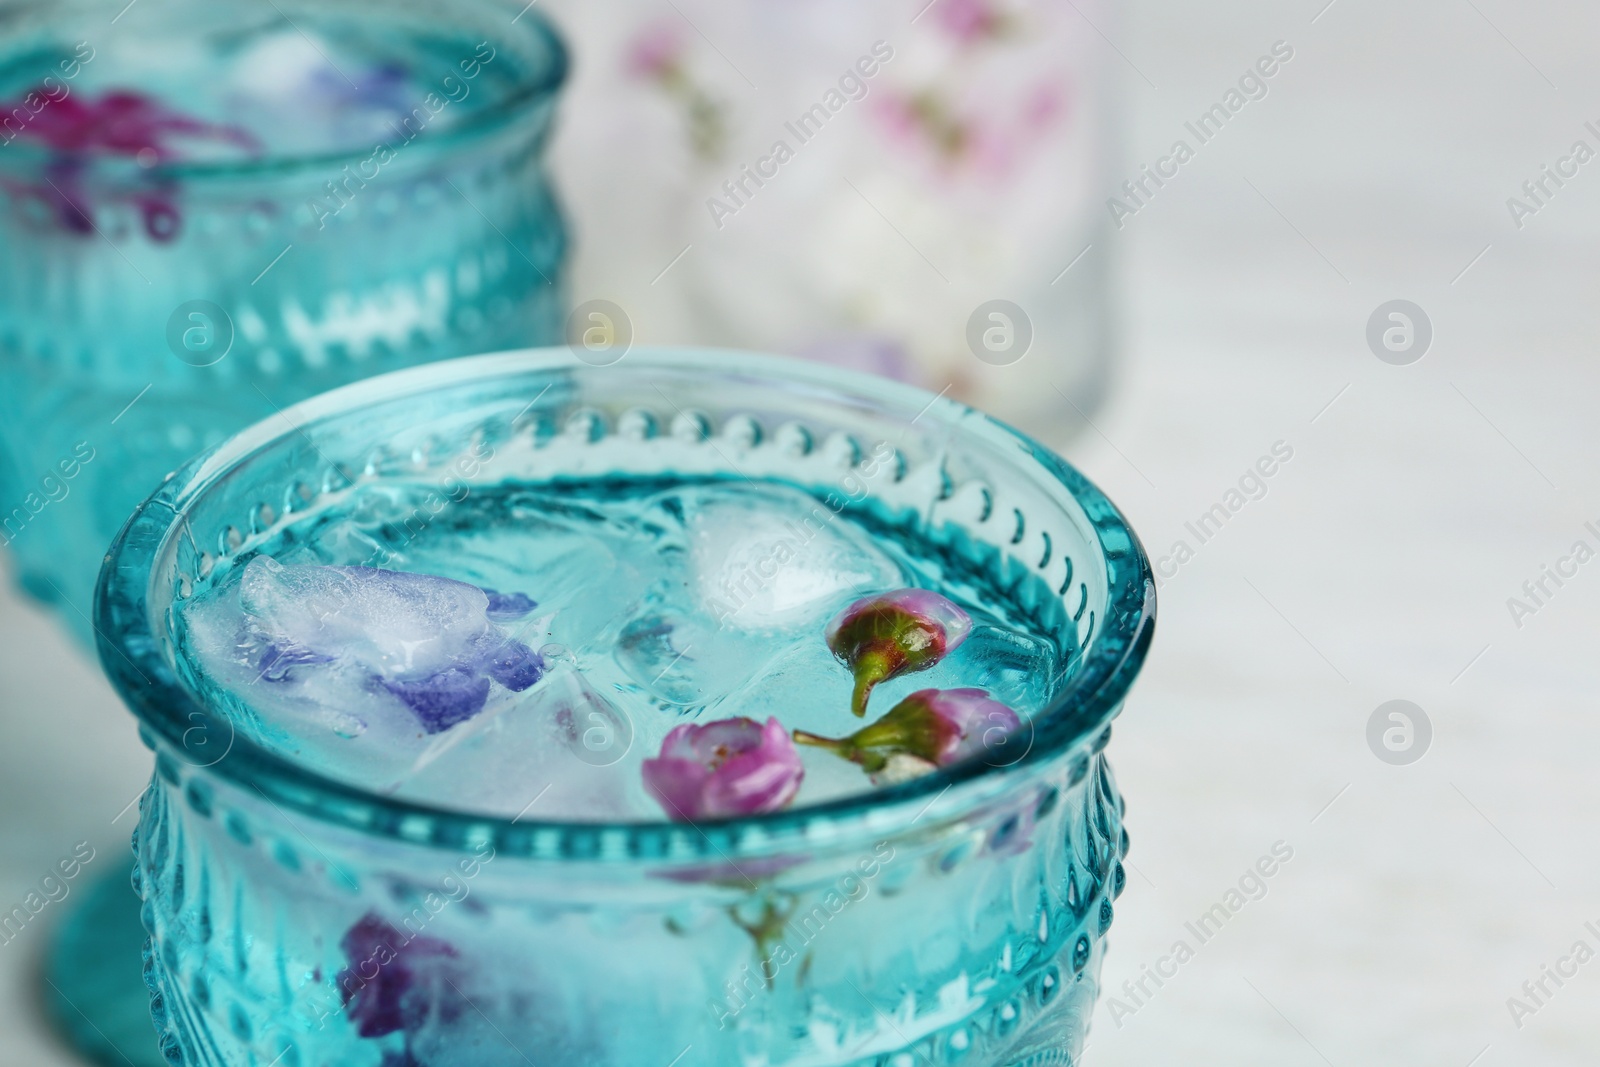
[430, 642]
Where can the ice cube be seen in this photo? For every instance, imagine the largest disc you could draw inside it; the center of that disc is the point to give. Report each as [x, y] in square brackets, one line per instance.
[325, 716]
[590, 727]
[557, 751]
[249, 670]
[683, 660]
[360, 652]
[772, 558]
[558, 562]
[1018, 669]
[395, 623]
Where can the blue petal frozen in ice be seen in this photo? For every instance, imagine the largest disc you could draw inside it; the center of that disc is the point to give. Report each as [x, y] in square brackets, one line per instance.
[430, 641]
[274, 661]
[444, 699]
[515, 666]
[504, 607]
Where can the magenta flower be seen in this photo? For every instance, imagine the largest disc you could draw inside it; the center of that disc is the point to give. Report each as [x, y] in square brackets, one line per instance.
[724, 769]
[395, 980]
[657, 55]
[730, 874]
[938, 726]
[121, 123]
[655, 52]
[969, 20]
[126, 123]
[885, 636]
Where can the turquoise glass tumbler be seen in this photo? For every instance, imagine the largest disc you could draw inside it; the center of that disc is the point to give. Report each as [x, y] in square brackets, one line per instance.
[959, 917]
[212, 210]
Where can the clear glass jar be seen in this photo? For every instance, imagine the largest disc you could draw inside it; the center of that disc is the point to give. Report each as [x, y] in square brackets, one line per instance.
[856, 181]
[213, 210]
[957, 917]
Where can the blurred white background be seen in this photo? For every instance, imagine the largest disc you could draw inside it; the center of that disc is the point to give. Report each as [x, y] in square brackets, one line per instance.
[1378, 565]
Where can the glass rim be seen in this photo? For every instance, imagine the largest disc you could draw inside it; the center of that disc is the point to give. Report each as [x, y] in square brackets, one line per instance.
[542, 83]
[134, 654]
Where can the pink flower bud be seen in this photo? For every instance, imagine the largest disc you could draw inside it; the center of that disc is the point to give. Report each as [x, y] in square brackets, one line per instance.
[941, 726]
[884, 636]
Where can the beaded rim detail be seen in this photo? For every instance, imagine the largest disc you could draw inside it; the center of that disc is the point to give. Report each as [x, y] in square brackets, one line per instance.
[130, 610]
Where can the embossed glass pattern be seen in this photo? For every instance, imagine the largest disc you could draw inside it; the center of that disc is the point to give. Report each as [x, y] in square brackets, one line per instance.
[958, 917]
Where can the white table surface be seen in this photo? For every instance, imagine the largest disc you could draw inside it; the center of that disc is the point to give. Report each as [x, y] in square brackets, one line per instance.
[1420, 897]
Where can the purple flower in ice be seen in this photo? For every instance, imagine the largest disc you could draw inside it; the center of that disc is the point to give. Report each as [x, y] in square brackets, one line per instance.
[395, 981]
[275, 661]
[386, 87]
[884, 636]
[724, 769]
[430, 642]
[442, 699]
[512, 663]
[936, 726]
[120, 123]
[730, 874]
[504, 607]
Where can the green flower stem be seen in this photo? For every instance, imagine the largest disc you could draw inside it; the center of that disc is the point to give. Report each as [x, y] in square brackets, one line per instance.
[874, 666]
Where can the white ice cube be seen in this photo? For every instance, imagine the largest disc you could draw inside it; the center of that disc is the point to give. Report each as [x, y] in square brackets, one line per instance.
[392, 622]
[778, 559]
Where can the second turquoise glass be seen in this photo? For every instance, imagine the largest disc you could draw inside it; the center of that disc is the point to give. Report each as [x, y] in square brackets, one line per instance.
[213, 210]
[210, 209]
